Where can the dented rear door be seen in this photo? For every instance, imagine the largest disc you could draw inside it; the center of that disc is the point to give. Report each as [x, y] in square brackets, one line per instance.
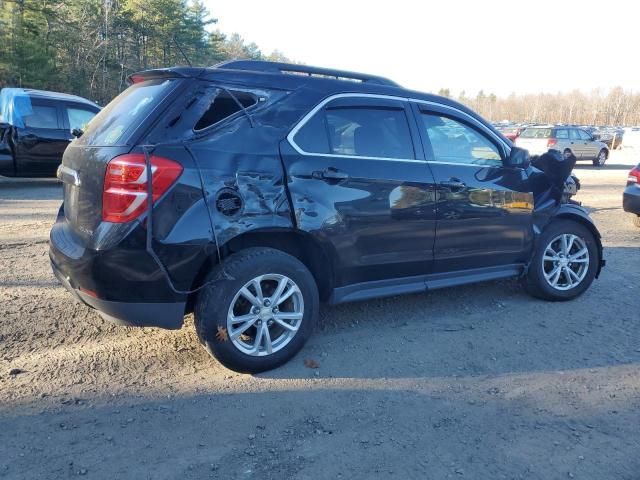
[358, 184]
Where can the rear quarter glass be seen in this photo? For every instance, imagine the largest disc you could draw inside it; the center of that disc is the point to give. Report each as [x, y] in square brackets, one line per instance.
[117, 123]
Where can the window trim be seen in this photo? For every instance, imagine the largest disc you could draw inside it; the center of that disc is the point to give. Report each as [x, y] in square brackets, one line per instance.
[291, 136]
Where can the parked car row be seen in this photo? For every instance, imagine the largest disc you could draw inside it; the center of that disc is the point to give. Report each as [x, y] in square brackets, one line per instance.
[35, 128]
[612, 137]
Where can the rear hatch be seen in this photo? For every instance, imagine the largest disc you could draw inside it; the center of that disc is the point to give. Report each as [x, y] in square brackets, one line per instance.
[536, 140]
[113, 132]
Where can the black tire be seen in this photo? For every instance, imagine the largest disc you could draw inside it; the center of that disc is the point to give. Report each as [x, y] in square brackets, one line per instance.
[214, 301]
[602, 157]
[636, 220]
[535, 282]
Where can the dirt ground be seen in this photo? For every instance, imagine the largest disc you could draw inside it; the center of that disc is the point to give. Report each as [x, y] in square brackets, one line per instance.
[473, 382]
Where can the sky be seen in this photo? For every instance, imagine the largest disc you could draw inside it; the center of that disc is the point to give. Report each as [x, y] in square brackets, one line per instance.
[499, 46]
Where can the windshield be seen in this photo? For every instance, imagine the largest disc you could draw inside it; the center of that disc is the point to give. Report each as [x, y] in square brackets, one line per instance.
[115, 123]
[536, 133]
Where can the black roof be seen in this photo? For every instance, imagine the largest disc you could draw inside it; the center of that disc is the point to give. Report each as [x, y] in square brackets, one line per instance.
[287, 76]
[45, 94]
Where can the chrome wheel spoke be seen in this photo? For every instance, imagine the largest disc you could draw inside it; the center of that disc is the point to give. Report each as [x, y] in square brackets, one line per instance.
[573, 274]
[578, 254]
[567, 276]
[258, 340]
[234, 334]
[257, 285]
[263, 336]
[287, 316]
[564, 245]
[251, 297]
[243, 318]
[286, 325]
[287, 294]
[282, 284]
[570, 244]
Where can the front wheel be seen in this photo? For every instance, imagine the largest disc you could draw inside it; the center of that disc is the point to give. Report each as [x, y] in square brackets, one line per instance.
[258, 311]
[600, 160]
[565, 262]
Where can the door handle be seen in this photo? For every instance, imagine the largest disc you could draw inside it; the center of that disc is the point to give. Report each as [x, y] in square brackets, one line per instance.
[330, 173]
[454, 184]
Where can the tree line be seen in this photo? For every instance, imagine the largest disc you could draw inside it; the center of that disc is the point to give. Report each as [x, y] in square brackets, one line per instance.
[615, 107]
[89, 47]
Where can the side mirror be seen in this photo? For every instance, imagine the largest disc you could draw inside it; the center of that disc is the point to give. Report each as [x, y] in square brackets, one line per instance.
[519, 157]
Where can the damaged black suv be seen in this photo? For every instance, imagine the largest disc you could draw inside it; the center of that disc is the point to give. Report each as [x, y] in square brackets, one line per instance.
[250, 192]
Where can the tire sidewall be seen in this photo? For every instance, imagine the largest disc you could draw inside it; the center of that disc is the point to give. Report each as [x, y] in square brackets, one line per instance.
[535, 277]
[213, 305]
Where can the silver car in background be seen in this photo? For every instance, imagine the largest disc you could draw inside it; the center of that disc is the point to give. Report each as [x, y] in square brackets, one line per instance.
[539, 140]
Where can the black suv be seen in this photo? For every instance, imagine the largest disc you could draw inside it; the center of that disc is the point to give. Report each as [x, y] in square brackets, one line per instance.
[275, 187]
[35, 128]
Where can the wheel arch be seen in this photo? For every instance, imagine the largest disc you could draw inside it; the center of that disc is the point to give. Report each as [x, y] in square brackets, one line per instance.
[578, 215]
[305, 247]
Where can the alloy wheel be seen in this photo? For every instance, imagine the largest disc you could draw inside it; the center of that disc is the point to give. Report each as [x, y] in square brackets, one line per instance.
[565, 261]
[265, 315]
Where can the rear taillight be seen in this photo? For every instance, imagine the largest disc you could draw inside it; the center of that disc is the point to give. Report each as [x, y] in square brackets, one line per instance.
[634, 176]
[551, 142]
[124, 195]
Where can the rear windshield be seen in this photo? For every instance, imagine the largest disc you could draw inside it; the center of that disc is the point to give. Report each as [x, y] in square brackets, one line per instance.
[536, 133]
[115, 123]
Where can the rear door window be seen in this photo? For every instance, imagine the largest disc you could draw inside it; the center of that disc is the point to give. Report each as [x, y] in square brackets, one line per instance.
[562, 134]
[115, 124]
[358, 132]
[42, 116]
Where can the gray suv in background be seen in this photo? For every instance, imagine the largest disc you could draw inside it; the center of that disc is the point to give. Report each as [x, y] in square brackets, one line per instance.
[539, 140]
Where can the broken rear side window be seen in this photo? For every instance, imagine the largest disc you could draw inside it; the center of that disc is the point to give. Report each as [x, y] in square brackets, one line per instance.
[224, 106]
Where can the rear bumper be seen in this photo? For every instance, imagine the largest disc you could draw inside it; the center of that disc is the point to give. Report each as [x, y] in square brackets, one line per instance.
[123, 284]
[631, 199]
[163, 315]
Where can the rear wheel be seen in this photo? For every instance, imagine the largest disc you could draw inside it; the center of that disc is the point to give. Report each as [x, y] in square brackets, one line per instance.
[600, 160]
[565, 263]
[259, 310]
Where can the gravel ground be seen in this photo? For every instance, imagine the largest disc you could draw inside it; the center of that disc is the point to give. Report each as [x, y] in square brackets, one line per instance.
[473, 382]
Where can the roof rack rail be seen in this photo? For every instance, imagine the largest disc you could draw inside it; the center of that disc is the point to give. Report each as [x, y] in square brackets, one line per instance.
[291, 68]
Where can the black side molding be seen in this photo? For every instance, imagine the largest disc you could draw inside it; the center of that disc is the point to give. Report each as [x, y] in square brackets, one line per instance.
[422, 283]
